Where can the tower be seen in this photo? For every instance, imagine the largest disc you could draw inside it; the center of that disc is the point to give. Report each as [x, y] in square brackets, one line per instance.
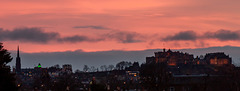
[18, 62]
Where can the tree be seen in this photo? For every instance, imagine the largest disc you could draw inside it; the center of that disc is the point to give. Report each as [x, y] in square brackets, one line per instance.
[155, 76]
[103, 68]
[122, 65]
[65, 82]
[85, 68]
[93, 69]
[110, 67]
[56, 66]
[7, 80]
[77, 71]
[4, 56]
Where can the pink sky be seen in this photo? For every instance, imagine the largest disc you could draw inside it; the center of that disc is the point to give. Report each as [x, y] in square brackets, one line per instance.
[119, 25]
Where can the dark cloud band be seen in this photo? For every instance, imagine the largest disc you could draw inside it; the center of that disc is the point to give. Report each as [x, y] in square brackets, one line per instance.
[221, 35]
[37, 35]
[184, 35]
[28, 35]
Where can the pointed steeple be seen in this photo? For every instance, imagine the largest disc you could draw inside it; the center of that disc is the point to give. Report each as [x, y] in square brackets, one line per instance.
[18, 62]
[18, 51]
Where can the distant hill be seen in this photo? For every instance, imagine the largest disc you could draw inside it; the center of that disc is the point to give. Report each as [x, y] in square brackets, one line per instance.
[79, 58]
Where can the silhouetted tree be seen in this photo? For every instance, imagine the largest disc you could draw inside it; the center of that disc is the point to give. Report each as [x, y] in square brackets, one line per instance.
[77, 71]
[66, 82]
[155, 76]
[110, 67]
[56, 66]
[122, 65]
[85, 68]
[103, 68]
[93, 69]
[97, 87]
[7, 80]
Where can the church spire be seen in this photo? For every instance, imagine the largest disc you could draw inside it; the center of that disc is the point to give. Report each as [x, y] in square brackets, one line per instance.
[18, 62]
[18, 51]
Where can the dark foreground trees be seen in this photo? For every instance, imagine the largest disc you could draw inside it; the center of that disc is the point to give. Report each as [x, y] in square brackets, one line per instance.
[155, 76]
[7, 80]
[66, 82]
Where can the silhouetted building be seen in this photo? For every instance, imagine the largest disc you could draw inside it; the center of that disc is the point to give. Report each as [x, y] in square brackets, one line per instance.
[54, 71]
[150, 60]
[171, 58]
[217, 59]
[183, 72]
[18, 62]
[199, 60]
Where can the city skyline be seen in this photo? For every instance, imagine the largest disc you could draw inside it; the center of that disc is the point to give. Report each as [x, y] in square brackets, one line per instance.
[167, 69]
[119, 45]
[79, 58]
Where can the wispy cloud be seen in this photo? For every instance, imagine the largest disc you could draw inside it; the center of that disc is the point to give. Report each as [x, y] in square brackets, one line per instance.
[92, 27]
[124, 36]
[78, 38]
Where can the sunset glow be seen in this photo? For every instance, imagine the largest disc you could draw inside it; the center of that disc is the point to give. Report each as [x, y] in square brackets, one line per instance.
[96, 25]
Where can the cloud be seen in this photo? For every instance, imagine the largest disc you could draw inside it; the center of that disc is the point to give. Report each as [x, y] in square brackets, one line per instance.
[28, 35]
[37, 35]
[78, 38]
[184, 35]
[223, 35]
[124, 36]
[92, 27]
[117, 35]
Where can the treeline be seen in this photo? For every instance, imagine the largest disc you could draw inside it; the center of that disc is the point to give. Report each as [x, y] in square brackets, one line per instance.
[119, 66]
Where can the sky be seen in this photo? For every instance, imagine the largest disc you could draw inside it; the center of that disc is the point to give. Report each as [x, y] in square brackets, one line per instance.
[71, 28]
[101, 25]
